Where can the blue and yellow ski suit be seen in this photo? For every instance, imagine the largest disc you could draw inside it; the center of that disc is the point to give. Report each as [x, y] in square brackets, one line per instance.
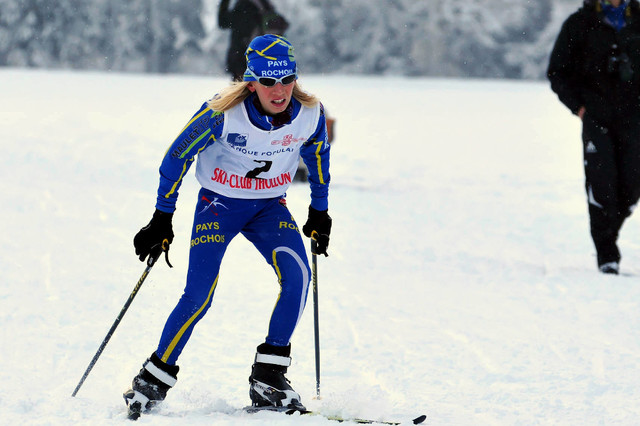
[245, 165]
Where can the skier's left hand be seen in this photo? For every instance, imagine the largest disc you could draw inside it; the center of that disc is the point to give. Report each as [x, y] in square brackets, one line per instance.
[319, 222]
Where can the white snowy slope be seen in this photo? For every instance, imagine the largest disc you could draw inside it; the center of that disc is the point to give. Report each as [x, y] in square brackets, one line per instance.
[461, 281]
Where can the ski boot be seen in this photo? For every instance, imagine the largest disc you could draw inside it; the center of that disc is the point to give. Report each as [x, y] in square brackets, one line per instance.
[268, 385]
[610, 268]
[150, 386]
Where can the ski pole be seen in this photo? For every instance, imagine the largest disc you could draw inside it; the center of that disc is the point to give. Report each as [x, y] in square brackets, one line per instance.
[150, 262]
[316, 328]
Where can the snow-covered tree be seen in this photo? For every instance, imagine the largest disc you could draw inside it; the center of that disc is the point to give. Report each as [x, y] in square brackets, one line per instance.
[477, 38]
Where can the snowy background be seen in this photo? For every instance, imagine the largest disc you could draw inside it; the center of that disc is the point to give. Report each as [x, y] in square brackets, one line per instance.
[461, 281]
[462, 38]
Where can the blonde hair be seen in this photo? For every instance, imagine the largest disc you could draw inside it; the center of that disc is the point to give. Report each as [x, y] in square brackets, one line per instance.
[238, 91]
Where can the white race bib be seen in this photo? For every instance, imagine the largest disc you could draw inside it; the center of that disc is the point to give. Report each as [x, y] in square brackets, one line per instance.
[248, 162]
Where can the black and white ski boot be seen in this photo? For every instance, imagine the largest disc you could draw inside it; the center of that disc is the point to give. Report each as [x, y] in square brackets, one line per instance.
[268, 385]
[150, 386]
[610, 268]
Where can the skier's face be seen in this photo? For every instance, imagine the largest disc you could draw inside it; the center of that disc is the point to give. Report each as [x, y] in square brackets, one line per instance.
[273, 99]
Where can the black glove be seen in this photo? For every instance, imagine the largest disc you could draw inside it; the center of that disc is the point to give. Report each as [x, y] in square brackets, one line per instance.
[318, 226]
[149, 240]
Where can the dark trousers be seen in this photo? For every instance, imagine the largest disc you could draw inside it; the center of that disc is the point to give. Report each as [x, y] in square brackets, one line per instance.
[612, 179]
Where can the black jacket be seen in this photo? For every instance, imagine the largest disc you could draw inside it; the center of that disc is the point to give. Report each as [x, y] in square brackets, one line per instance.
[247, 19]
[594, 66]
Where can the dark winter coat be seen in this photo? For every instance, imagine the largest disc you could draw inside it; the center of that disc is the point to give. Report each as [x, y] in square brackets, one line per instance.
[247, 19]
[594, 66]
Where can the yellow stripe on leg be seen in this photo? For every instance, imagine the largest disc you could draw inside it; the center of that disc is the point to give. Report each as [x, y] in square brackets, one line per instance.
[186, 325]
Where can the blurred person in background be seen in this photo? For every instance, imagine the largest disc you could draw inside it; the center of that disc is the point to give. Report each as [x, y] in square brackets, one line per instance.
[247, 140]
[247, 20]
[594, 68]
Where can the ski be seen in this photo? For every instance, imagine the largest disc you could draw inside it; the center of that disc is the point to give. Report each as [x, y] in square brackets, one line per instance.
[418, 420]
[290, 411]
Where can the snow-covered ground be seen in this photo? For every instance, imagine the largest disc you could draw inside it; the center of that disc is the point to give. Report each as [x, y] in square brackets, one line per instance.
[461, 281]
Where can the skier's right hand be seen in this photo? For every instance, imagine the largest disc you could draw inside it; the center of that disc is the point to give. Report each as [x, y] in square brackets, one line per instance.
[150, 239]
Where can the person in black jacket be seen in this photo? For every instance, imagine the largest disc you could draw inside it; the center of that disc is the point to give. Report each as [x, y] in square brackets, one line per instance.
[247, 20]
[594, 68]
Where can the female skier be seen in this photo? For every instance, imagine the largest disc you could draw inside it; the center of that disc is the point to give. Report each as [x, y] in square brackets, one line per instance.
[248, 139]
